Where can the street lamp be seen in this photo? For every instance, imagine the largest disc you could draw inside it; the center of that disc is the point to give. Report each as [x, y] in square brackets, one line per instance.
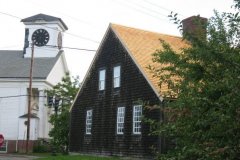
[54, 101]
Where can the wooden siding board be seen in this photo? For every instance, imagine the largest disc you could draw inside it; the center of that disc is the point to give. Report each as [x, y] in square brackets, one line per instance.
[134, 87]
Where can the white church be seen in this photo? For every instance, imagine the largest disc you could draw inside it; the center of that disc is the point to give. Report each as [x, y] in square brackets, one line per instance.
[49, 66]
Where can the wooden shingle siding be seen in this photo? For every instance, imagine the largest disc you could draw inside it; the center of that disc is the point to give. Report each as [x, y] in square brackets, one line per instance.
[133, 89]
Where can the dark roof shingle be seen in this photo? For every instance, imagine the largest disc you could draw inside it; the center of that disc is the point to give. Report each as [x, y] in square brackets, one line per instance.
[13, 65]
[44, 17]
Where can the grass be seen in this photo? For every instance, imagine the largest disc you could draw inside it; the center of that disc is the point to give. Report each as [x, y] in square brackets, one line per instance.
[77, 157]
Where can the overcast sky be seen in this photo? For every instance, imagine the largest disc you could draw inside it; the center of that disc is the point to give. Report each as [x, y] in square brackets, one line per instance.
[88, 20]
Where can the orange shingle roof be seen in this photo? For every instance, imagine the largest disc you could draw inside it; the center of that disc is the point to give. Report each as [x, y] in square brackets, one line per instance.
[141, 45]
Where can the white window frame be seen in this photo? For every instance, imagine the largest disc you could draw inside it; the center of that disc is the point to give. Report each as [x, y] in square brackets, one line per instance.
[89, 122]
[117, 76]
[120, 120]
[102, 79]
[137, 119]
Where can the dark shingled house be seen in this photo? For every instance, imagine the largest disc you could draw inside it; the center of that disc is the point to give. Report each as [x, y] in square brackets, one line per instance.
[106, 115]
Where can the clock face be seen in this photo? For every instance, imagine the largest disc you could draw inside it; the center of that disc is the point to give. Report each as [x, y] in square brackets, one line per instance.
[40, 37]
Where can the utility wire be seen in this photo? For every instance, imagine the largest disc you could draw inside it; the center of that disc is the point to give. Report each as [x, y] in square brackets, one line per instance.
[16, 96]
[9, 15]
[157, 5]
[148, 9]
[82, 37]
[141, 11]
[130, 6]
[74, 35]
[9, 46]
[81, 49]
[20, 96]
[74, 48]
[59, 31]
[40, 6]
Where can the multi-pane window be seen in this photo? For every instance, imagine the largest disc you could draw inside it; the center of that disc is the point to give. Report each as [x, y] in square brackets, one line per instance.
[89, 122]
[116, 76]
[120, 120]
[102, 77]
[137, 113]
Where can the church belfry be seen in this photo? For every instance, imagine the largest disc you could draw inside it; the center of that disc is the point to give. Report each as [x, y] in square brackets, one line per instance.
[46, 33]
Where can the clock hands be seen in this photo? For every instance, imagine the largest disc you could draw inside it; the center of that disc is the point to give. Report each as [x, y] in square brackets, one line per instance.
[40, 37]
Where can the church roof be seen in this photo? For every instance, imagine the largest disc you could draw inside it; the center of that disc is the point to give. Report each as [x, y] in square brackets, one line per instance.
[44, 17]
[141, 45]
[13, 65]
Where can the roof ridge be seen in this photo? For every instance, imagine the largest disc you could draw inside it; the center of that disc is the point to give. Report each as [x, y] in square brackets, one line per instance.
[145, 30]
[44, 17]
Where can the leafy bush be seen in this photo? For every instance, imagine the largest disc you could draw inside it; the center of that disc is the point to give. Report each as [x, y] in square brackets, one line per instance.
[41, 147]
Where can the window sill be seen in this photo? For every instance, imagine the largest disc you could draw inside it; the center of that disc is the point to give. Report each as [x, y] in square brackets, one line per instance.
[137, 137]
[120, 134]
[136, 134]
[88, 134]
[101, 94]
[116, 91]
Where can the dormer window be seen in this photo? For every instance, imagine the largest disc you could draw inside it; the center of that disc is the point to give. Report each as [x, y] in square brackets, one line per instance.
[116, 76]
[102, 78]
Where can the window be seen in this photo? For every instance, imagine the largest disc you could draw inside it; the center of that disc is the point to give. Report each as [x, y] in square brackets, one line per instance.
[120, 120]
[89, 122]
[102, 74]
[137, 113]
[116, 76]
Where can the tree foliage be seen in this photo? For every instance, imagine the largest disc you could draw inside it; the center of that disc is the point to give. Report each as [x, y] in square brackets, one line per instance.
[204, 120]
[66, 91]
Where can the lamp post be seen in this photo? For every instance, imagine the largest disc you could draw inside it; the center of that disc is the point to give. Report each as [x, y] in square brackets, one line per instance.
[54, 101]
[29, 99]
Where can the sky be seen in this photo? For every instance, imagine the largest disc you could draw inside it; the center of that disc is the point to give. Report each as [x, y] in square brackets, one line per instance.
[88, 21]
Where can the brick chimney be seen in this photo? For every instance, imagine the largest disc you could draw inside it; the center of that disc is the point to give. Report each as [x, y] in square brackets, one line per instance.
[195, 27]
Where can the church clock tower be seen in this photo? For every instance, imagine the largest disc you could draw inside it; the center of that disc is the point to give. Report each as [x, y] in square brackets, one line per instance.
[45, 32]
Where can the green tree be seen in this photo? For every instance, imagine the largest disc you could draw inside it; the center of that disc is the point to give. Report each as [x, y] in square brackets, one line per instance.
[204, 119]
[65, 91]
